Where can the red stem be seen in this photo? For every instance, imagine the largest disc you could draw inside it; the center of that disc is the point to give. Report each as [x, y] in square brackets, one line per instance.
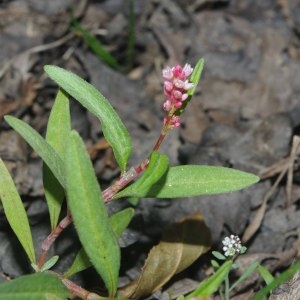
[76, 290]
[47, 243]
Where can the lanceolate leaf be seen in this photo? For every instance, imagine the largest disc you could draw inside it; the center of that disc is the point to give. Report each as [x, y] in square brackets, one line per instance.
[58, 131]
[80, 263]
[113, 128]
[15, 211]
[193, 180]
[158, 166]
[196, 75]
[39, 144]
[34, 287]
[118, 221]
[89, 213]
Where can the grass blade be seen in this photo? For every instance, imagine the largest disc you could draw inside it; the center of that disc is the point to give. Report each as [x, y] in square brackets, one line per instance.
[211, 284]
[95, 45]
[283, 277]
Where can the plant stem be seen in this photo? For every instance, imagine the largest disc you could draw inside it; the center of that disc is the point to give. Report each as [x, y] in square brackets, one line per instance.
[124, 180]
[132, 173]
[47, 243]
[227, 289]
[76, 290]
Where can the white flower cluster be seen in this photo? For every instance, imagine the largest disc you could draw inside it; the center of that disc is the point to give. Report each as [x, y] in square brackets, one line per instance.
[232, 245]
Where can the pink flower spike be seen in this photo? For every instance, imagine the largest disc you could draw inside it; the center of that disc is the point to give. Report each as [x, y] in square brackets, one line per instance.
[167, 73]
[187, 69]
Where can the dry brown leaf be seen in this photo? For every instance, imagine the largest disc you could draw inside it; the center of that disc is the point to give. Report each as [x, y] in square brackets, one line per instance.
[181, 245]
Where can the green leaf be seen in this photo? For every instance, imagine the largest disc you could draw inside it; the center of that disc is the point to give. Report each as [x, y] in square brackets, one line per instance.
[118, 221]
[95, 45]
[113, 129]
[80, 263]
[265, 274]
[215, 264]
[211, 284]
[39, 144]
[58, 131]
[15, 211]
[195, 78]
[158, 166]
[283, 277]
[50, 263]
[251, 268]
[34, 287]
[218, 255]
[89, 213]
[192, 180]
[196, 75]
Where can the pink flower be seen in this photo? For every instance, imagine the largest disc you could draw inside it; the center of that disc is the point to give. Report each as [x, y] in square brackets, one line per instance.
[167, 73]
[187, 69]
[167, 105]
[176, 85]
[168, 86]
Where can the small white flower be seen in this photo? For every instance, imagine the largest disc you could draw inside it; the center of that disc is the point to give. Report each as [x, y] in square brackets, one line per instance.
[232, 245]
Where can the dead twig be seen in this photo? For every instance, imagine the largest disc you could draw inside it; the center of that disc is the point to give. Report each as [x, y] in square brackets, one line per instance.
[286, 166]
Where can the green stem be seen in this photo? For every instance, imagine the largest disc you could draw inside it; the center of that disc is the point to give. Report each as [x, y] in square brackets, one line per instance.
[227, 289]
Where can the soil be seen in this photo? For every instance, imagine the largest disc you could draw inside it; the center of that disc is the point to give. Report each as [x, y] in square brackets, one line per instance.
[245, 115]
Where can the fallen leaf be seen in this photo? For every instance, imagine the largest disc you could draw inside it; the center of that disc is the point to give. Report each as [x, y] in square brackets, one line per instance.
[180, 246]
